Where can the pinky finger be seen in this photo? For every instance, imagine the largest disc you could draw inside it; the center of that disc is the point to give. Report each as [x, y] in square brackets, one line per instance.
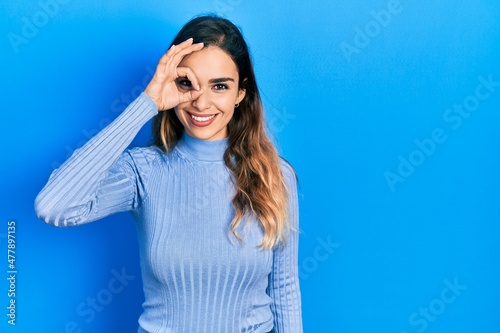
[167, 55]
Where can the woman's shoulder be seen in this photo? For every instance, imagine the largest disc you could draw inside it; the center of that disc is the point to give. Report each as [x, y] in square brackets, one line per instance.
[287, 169]
[151, 152]
[143, 157]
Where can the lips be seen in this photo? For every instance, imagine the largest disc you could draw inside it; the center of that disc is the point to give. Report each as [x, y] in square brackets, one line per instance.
[202, 121]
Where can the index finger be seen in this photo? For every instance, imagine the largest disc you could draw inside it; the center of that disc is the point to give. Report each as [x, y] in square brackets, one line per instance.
[188, 72]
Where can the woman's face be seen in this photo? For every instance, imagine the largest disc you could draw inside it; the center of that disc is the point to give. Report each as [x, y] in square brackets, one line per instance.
[207, 116]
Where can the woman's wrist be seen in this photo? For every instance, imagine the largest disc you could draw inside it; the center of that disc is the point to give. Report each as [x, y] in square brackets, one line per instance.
[150, 97]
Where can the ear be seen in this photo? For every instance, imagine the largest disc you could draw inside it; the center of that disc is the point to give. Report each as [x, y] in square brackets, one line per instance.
[241, 93]
[241, 96]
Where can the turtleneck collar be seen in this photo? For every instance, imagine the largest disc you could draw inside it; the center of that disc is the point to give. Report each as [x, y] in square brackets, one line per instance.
[202, 150]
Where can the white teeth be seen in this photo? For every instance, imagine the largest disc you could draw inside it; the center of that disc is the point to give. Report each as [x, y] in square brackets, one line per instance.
[202, 118]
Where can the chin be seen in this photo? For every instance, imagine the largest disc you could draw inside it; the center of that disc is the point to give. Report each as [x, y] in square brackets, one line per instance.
[209, 135]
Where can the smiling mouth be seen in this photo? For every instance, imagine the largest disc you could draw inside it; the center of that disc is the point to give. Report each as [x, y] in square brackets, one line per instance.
[201, 121]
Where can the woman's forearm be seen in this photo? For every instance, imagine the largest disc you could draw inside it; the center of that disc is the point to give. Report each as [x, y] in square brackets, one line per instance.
[69, 191]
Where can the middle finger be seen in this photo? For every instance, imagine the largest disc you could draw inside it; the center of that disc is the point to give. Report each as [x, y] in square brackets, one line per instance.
[181, 53]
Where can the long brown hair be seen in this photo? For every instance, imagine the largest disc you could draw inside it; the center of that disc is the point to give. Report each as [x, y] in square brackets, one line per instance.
[250, 156]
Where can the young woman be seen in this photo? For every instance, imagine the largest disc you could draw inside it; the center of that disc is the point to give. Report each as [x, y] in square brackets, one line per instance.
[215, 207]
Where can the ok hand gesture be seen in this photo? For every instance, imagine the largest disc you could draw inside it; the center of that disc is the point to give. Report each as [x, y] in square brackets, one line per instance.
[163, 87]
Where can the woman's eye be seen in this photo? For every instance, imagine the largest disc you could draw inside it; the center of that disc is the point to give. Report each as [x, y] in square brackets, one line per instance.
[220, 86]
[183, 83]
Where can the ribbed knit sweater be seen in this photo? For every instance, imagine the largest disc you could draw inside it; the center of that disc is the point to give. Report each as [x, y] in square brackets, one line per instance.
[196, 276]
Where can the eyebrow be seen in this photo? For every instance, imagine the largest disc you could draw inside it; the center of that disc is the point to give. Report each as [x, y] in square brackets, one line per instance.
[221, 80]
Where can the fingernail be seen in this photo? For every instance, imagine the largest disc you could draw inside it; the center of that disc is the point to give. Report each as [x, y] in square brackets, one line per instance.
[198, 87]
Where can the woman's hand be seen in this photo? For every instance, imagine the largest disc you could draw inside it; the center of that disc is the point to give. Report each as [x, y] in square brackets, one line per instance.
[163, 87]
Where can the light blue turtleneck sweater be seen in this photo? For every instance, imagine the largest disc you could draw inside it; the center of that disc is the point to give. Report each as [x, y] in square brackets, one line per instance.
[196, 277]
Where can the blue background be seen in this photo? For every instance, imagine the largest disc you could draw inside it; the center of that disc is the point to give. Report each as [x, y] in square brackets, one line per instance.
[353, 90]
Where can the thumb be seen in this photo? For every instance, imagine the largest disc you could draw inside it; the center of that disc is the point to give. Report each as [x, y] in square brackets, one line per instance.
[191, 95]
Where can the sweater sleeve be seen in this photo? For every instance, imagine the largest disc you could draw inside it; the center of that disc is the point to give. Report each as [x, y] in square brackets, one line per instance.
[99, 178]
[284, 278]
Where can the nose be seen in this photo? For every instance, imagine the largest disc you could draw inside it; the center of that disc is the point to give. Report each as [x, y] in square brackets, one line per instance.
[202, 102]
